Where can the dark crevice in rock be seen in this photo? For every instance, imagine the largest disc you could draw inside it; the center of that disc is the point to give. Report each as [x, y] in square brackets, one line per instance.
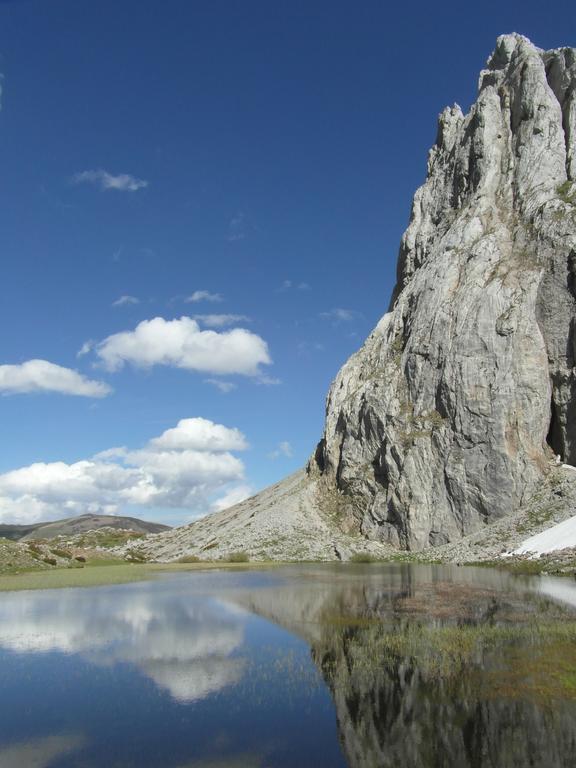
[554, 438]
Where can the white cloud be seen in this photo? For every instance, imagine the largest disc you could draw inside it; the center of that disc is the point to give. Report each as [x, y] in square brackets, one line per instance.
[123, 182]
[309, 348]
[234, 496]
[125, 300]
[219, 321]
[43, 376]
[181, 343]
[85, 348]
[268, 381]
[200, 434]
[340, 315]
[283, 449]
[289, 285]
[185, 468]
[237, 228]
[224, 386]
[203, 296]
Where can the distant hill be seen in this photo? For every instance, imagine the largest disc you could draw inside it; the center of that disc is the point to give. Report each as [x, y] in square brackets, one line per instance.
[74, 525]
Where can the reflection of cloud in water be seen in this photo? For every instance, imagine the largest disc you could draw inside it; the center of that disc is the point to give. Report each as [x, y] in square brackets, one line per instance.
[180, 641]
[194, 680]
[39, 753]
[243, 761]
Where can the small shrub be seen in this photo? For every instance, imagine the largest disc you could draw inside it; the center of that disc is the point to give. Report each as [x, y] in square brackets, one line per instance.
[363, 557]
[50, 560]
[80, 558]
[133, 556]
[61, 553]
[238, 557]
[189, 559]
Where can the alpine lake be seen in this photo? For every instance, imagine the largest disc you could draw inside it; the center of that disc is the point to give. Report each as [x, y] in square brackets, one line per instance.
[378, 665]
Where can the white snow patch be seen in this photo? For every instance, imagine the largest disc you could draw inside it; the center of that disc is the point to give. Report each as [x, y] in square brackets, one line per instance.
[559, 536]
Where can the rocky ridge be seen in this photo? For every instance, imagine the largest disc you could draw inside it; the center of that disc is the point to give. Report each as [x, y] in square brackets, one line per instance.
[449, 417]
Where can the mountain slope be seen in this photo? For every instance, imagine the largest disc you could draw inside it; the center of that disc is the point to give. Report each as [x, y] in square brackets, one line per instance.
[292, 520]
[451, 414]
[73, 525]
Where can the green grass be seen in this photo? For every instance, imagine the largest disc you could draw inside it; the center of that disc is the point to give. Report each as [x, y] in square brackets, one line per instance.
[363, 557]
[105, 538]
[102, 572]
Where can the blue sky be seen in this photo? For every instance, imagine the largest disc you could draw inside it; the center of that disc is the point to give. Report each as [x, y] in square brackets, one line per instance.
[258, 157]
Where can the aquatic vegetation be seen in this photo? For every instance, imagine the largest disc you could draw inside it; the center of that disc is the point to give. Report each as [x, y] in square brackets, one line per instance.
[531, 660]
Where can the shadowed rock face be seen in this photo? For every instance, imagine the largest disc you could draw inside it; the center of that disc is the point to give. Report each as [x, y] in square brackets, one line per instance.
[447, 417]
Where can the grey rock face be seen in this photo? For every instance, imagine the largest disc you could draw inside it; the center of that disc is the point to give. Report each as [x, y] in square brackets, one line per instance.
[448, 416]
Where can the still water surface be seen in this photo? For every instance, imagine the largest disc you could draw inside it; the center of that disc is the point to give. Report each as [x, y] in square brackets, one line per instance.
[361, 666]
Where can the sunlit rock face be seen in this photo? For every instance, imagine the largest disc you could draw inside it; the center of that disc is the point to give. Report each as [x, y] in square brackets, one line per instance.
[449, 415]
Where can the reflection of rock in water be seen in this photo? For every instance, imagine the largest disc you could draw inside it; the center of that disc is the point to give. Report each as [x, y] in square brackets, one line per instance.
[402, 717]
[395, 711]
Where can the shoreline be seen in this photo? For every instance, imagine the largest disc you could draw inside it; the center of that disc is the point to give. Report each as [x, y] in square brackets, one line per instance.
[111, 573]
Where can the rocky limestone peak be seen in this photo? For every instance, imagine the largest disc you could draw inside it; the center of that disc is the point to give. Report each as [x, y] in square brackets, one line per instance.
[449, 415]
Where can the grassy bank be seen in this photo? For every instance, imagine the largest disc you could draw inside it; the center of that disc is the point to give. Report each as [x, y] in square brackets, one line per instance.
[101, 573]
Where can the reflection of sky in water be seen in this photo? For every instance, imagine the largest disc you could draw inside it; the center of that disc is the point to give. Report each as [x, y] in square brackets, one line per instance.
[164, 673]
[215, 669]
[183, 643]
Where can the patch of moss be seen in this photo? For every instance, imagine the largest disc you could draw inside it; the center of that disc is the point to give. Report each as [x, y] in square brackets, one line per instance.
[567, 192]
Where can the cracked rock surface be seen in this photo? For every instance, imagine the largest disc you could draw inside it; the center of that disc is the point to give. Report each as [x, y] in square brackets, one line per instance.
[448, 416]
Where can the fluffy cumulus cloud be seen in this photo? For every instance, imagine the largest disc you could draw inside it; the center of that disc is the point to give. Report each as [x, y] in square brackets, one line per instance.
[200, 434]
[122, 182]
[43, 376]
[182, 344]
[189, 467]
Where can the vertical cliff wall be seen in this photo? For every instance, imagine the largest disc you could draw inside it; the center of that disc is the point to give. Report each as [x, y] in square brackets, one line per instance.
[449, 415]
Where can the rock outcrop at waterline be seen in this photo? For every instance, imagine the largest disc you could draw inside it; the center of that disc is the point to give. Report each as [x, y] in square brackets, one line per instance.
[451, 414]
[448, 416]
